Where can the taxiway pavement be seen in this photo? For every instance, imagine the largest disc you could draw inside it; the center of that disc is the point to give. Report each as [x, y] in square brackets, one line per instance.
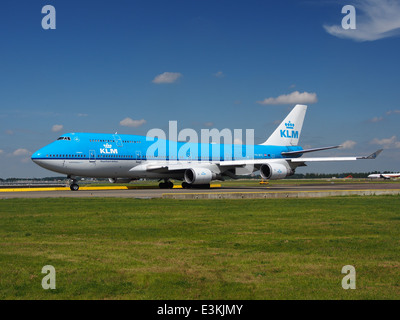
[284, 190]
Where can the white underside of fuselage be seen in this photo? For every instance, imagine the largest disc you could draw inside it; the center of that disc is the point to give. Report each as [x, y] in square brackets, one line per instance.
[88, 168]
[113, 168]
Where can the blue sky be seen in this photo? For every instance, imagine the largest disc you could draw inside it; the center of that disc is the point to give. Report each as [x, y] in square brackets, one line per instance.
[216, 61]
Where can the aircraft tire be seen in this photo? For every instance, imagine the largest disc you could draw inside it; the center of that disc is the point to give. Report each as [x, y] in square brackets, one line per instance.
[186, 185]
[74, 187]
[204, 186]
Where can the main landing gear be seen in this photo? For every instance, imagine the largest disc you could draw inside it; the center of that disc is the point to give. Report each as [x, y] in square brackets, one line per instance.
[166, 184]
[73, 184]
[169, 185]
[186, 185]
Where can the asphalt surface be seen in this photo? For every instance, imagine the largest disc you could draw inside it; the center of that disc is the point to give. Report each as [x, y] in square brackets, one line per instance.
[158, 193]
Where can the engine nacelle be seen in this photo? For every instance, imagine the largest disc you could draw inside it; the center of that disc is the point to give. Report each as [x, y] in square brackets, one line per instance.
[275, 171]
[199, 176]
[120, 180]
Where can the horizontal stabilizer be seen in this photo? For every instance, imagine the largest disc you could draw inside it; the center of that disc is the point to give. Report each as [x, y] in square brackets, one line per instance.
[292, 153]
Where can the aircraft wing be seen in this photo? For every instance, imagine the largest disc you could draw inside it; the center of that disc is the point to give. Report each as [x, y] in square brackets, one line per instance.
[164, 167]
[324, 159]
[298, 160]
[176, 166]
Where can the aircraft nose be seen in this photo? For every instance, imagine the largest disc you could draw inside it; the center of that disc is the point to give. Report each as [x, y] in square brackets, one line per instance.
[37, 155]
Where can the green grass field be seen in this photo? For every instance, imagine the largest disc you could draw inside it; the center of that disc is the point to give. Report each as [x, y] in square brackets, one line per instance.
[214, 249]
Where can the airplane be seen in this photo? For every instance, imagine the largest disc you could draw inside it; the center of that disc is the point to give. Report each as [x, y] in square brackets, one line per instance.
[385, 176]
[123, 158]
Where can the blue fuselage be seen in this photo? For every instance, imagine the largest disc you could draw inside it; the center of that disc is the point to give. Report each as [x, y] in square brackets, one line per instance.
[95, 146]
[113, 155]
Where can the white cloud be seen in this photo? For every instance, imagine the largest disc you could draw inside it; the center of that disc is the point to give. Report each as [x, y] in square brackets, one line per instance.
[393, 112]
[208, 124]
[128, 122]
[375, 19]
[219, 74]
[82, 114]
[349, 144]
[376, 119]
[57, 127]
[21, 152]
[387, 142]
[1, 152]
[291, 98]
[167, 77]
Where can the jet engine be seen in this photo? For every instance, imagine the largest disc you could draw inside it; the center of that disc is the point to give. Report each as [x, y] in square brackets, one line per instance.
[275, 171]
[199, 176]
[120, 180]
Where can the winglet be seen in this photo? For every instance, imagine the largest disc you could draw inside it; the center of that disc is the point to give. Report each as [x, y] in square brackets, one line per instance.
[372, 156]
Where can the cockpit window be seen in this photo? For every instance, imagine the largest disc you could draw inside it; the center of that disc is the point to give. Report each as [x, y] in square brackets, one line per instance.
[64, 138]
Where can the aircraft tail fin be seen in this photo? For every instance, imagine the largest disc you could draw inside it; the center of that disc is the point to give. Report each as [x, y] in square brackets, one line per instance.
[288, 132]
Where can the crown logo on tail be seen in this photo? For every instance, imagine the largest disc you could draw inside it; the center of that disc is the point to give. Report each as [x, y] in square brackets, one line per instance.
[289, 125]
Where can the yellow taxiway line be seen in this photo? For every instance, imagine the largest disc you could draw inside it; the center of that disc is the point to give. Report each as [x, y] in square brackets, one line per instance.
[90, 188]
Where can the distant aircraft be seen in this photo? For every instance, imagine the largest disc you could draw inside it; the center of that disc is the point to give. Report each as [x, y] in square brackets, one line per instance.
[384, 175]
[123, 158]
